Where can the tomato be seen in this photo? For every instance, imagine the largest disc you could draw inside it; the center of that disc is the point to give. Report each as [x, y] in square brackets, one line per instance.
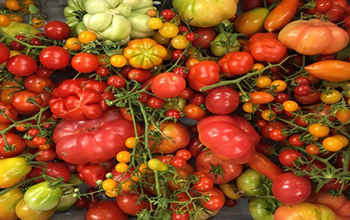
[220, 171]
[57, 30]
[85, 62]
[222, 100]
[45, 156]
[9, 111]
[179, 42]
[204, 37]
[168, 85]
[252, 21]
[37, 84]
[168, 30]
[318, 130]
[262, 209]
[15, 145]
[288, 157]
[195, 146]
[217, 199]
[106, 210]
[139, 75]
[130, 203]
[55, 170]
[343, 115]
[291, 189]
[236, 63]
[331, 98]
[4, 53]
[4, 21]
[251, 4]
[203, 74]
[21, 65]
[250, 182]
[21, 102]
[308, 99]
[12, 5]
[81, 203]
[195, 112]
[86, 37]
[12, 171]
[177, 135]
[54, 57]
[118, 61]
[185, 154]
[273, 125]
[197, 98]
[176, 216]
[333, 144]
[302, 90]
[23, 212]
[290, 106]
[261, 98]
[155, 23]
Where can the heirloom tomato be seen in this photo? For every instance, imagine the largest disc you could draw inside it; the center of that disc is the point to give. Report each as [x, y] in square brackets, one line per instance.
[236, 63]
[168, 85]
[251, 22]
[8, 202]
[203, 74]
[12, 171]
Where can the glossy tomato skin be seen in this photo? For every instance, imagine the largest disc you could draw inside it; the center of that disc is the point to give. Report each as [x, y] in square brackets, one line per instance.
[217, 199]
[168, 85]
[16, 142]
[203, 74]
[55, 170]
[21, 65]
[204, 36]
[4, 53]
[220, 171]
[57, 30]
[291, 189]
[92, 173]
[176, 132]
[128, 203]
[94, 140]
[106, 210]
[54, 57]
[85, 62]
[222, 100]
[9, 110]
[308, 99]
[22, 105]
[37, 84]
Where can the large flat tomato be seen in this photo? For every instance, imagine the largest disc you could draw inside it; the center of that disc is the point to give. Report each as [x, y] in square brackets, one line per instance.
[106, 210]
[94, 140]
[175, 136]
[131, 204]
[224, 137]
[219, 171]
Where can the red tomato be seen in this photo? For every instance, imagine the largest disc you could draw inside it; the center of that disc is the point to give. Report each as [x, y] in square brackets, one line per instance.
[204, 37]
[91, 173]
[4, 53]
[106, 210]
[195, 146]
[55, 170]
[291, 189]
[220, 171]
[9, 111]
[116, 81]
[139, 75]
[21, 65]
[236, 63]
[204, 184]
[203, 74]
[273, 125]
[57, 30]
[45, 155]
[222, 100]
[308, 99]
[85, 62]
[54, 58]
[217, 199]
[15, 145]
[251, 4]
[168, 85]
[130, 204]
[21, 102]
[43, 72]
[37, 84]
[288, 157]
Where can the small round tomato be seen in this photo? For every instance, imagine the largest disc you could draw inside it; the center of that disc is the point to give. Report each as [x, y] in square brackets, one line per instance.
[290, 106]
[155, 23]
[195, 112]
[4, 21]
[216, 200]
[15, 145]
[332, 144]
[288, 157]
[291, 189]
[155, 103]
[319, 130]
[167, 14]
[85, 62]
[268, 115]
[21, 65]
[263, 82]
[54, 57]
[185, 154]
[168, 30]
[204, 37]
[312, 149]
[277, 135]
[302, 90]
[295, 141]
[222, 100]
[73, 44]
[57, 30]
[118, 61]
[12, 5]
[343, 115]
[45, 156]
[139, 75]
[204, 184]
[248, 107]
[4, 53]
[21, 101]
[131, 203]
[37, 84]
[86, 37]
[179, 42]
[130, 142]
[279, 85]
[121, 167]
[173, 113]
[116, 81]
[168, 85]
[331, 98]
[123, 157]
[178, 162]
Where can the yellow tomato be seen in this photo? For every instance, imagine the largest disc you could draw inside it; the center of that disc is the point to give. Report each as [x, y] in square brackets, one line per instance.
[118, 61]
[248, 107]
[319, 130]
[268, 115]
[331, 98]
[263, 82]
[279, 85]
[109, 184]
[123, 157]
[86, 37]
[73, 44]
[290, 106]
[155, 23]
[333, 144]
[121, 167]
[179, 42]
[168, 30]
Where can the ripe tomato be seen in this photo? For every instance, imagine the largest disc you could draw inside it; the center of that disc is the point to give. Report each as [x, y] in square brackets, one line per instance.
[288, 157]
[343, 115]
[204, 37]
[168, 85]
[12, 5]
[319, 130]
[21, 102]
[295, 141]
[195, 112]
[139, 75]
[86, 37]
[37, 84]
[85, 62]
[195, 146]
[217, 199]
[308, 99]
[73, 43]
[155, 102]
[21, 65]
[15, 145]
[331, 98]
[106, 210]
[333, 144]
[130, 203]
[45, 156]
[54, 57]
[116, 81]
[273, 125]
[168, 30]
[10, 112]
[57, 30]
[291, 189]
[4, 53]
[222, 100]
[55, 170]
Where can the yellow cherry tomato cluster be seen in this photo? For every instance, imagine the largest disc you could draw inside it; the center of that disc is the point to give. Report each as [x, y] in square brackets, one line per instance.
[335, 143]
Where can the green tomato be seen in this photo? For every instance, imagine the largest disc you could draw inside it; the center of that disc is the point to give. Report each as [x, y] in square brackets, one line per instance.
[250, 182]
[67, 200]
[251, 22]
[261, 209]
[175, 103]
[75, 180]
[224, 43]
[15, 28]
[42, 197]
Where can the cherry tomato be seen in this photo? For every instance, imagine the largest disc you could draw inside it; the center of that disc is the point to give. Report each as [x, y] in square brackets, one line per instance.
[45, 156]
[277, 135]
[302, 90]
[21, 102]
[185, 154]
[332, 144]
[57, 30]
[12, 5]
[204, 37]
[116, 81]
[118, 61]
[168, 30]
[204, 184]
[331, 98]
[178, 162]
[288, 157]
[85, 62]
[21, 65]
[86, 37]
[102, 71]
[4, 21]
[318, 130]
[155, 102]
[167, 14]
[54, 57]
[195, 112]
[222, 100]
[173, 113]
[155, 23]
[140, 75]
[73, 44]
[312, 149]
[295, 141]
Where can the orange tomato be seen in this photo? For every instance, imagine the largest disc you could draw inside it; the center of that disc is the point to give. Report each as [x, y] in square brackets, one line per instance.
[261, 98]
[4, 21]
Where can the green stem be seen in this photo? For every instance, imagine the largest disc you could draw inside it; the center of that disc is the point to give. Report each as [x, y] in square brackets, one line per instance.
[20, 184]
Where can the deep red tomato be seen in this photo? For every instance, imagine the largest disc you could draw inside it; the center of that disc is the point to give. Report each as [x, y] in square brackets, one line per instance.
[222, 100]
[57, 30]
[85, 62]
[21, 65]
[251, 4]
[130, 203]
[168, 85]
[236, 63]
[204, 184]
[45, 155]
[217, 199]
[273, 125]
[82, 203]
[295, 141]
[323, 5]
[4, 53]
[139, 75]
[336, 13]
[302, 90]
[308, 99]
[10, 112]
[197, 98]
[15, 145]
[178, 162]
[43, 72]
[195, 146]
[291, 189]
[54, 58]
[21, 102]
[106, 210]
[288, 157]
[176, 216]
[155, 102]
[56, 170]
[37, 84]
[91, 173]
[102, 71]
[203, 74]
[277, 135]
[167, 14]
[220, 171]
[116, 81]
[204, 37]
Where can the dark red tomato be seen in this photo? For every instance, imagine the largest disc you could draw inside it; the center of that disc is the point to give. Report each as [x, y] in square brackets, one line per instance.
[35, 41]
[222, 100]
[144, 97]
[273, 125]
[14, 45]
[183, 29]
[93, 202]
[334, 184]
[116, 81]
[264, 148]
[85, 62]
[54, 58]
[178, 54]
[251, 4]
[155, 102]
[126, 70]
[291, 189]
[186, 93]
[9, 111]
[106, 210]
[130, 203]
[288, 157]
[21, 101]
[43, 72]
[195, 146]
[230, 203]
[181, 71]
[102, 71]
[173, 113]
[15, 145]
[81, 203]
[21, 65]
[4, 53]
[323, 5]
[57, 30]
[45, 155]
[71, 167]
[281, 97]
[168, 85]
[204, 37]
[302, 80]
[37, 84]
[336, 13]
[204, 184]
[178, 162]
[308, 99]
[277, 135]
[197, 98]
[217, 199]
[302, 90]
[139, 75]
[55, 170]
[295, 141]
[300, 121]
[262, 123]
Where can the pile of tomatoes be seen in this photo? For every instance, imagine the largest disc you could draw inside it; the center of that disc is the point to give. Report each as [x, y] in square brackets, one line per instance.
[178, 125]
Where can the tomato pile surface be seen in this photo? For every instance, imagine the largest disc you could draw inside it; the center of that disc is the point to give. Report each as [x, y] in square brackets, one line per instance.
[174, 113]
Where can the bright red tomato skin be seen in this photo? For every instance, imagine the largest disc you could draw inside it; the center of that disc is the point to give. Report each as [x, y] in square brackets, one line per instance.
[106, 210]
[222, 100]
[288, 157]
[236, 63]
[291, 189]
[13, 140]
[92, 173]
[4, 53]
[21, 104]
[55, 170]
[128, 203]
[205, 162]
[168, 85]
[45, 155]
[54, 57]
[57, 30]
[10, 112]
[203, 74]
[21, 65]
[85, 62]
[219, 199]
